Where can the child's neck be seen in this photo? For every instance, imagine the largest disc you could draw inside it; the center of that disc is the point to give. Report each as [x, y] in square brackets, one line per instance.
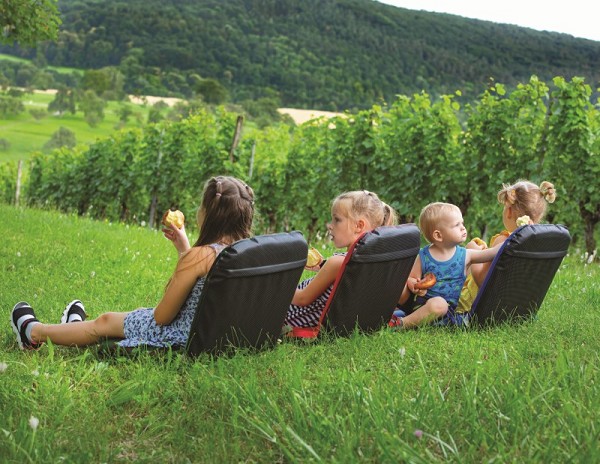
[442, 251]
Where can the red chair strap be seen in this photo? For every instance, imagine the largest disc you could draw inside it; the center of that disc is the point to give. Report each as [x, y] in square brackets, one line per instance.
[313, 332]
[304, 332]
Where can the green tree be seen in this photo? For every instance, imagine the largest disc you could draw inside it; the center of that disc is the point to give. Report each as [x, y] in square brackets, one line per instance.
[212, 91]
[10, 106]
[63, 137]
[155, 114]
[124, 112]
[38, 113]
[92, 107]
[107, 82]
[64, 100]
[573, 156]
[29, 22]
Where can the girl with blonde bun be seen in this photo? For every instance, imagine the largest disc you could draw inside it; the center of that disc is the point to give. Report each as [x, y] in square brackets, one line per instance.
[524, 203]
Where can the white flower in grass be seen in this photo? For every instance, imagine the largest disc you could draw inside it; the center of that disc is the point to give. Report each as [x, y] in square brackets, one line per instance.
[35, 373]
[3, 367]
[18, 254]
[402, 351]
[93, 274]
[34, 422]
[143, 223]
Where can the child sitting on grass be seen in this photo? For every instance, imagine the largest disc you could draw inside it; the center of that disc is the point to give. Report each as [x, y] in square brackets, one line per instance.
[443, 227]
[523, 202]
[224, 217]
[352, 214]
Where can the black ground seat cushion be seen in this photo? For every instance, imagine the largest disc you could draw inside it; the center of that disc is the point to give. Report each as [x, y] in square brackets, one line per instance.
[521, 274]
[372, 280]
[247, 293]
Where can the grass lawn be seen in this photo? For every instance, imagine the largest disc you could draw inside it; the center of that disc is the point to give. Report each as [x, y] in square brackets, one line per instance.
[25, 134]
[60, 69]
[526, 393]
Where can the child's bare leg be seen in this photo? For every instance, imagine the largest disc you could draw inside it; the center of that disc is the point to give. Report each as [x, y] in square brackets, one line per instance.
[479, 272]
[107, 325]
[435, 308]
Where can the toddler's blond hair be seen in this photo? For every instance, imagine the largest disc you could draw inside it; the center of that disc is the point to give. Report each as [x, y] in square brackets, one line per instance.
[431, 215]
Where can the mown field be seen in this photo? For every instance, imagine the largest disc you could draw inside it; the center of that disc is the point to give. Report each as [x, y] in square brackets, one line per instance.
[526, 393]
[25, 134]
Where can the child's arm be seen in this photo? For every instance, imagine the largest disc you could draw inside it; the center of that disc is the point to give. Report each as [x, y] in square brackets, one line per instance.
[324, 278]
[195, 264]
[481, 256]
[480, 270]
[413, 278]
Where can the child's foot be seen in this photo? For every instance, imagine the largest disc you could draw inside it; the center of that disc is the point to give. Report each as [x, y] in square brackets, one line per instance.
[22, 319]
[396, 322]
[74, 312]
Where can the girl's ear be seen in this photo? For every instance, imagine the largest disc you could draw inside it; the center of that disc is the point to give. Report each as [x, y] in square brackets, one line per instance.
[360, 225]
[509, 212]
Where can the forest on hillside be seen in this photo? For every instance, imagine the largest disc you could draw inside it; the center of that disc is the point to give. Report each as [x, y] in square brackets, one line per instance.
[319, 54]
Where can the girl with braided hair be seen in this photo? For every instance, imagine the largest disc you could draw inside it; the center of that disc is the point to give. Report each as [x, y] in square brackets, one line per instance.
[225, 216]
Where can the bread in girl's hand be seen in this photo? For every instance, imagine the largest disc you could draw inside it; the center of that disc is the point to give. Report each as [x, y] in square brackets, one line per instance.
[480, 242]
[314, 258]
[426, 282]
[173, 217]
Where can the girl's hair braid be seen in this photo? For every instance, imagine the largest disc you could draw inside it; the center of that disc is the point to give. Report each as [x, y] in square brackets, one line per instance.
[228, 210]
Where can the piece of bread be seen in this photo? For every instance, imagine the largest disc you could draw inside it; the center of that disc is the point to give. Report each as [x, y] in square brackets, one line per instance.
[426, 282]
[314, 257]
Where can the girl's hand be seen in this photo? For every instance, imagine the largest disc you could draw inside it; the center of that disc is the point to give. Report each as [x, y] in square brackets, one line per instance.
[476, 244]
[316, 268]
[178, 237]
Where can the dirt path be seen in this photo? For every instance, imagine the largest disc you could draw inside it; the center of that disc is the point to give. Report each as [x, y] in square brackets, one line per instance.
[301, 116]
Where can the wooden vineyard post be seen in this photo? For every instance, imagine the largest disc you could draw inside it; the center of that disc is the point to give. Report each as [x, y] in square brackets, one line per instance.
[18, 188]
[236, 136]
[154, 202]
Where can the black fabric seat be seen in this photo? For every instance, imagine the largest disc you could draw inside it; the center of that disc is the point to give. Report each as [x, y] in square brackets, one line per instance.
[247, 293]
[521, 274]
[370, 282]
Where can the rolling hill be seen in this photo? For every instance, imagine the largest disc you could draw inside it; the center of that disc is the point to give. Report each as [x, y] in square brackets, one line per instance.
[318, 54]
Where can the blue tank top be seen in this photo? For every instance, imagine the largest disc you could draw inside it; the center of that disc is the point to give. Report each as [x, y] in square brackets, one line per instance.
[450, 274]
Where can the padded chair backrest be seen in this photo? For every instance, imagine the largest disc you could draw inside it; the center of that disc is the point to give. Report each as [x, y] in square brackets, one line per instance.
[247, 293]
[371, 280]
[521, 274]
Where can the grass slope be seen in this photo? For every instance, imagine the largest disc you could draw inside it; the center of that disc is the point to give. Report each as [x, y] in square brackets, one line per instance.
[26, 134]
[525, 393]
